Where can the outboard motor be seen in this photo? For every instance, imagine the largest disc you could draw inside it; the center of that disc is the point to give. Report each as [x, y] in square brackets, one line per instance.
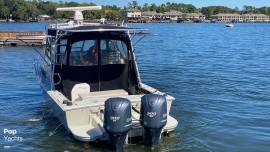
[117, 121]
[153, 117]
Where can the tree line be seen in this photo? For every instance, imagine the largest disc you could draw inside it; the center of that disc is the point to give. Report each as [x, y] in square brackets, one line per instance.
[26, 9]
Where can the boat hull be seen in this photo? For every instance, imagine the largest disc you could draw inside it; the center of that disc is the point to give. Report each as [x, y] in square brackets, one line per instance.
[86, 123]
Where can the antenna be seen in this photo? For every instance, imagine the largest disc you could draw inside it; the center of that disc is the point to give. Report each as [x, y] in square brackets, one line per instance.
[78, 11]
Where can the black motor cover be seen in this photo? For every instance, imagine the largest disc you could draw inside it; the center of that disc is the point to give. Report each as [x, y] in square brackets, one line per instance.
[153, 111]
[153, 117]
[117, 120]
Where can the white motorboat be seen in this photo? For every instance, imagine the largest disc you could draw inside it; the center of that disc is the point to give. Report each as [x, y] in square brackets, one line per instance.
[90, 74]
[229, 25]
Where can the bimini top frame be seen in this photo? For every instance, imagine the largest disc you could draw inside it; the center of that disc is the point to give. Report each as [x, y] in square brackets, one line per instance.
[140, 33]
[101, 28]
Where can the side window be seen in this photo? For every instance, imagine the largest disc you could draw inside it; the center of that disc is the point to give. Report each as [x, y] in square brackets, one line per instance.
[113, 52]
[62, 51]
[48, 47]
[84, 53]
[63, 46]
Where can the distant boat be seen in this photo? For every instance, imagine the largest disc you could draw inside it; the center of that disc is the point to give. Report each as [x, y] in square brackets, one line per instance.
[33, 20]
[229, 25]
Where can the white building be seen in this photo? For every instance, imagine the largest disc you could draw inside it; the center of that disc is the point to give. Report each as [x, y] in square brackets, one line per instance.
[194, 16]
[255, 18]
[222, 17]
[172, 15]
[133, 14]
[148, 15]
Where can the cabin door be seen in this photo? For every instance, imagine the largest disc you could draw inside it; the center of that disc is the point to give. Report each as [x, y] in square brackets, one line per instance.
[103, 64]
[83, 64]
[113, 65]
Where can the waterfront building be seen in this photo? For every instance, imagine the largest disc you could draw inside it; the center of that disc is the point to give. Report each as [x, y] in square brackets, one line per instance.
[148, 15]
[172, 15]
[194, 17]
[222, 17]
[255, 18]
[133, 14]
[226, 17]
[158, 16]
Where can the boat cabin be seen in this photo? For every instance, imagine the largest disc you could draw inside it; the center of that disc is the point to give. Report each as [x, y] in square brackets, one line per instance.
[100, 56]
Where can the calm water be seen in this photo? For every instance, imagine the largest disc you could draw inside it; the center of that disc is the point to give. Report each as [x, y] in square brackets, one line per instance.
[219, 76]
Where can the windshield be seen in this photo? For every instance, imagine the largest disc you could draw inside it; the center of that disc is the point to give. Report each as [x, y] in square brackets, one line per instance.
[87, 52]
[84, 53]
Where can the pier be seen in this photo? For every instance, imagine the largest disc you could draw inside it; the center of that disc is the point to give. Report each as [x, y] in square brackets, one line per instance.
[21, 38]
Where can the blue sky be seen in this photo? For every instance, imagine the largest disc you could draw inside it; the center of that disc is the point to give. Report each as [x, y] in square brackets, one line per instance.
[197, 3]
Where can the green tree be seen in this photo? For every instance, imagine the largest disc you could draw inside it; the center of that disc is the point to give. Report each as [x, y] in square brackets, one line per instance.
[248, 9]
[212, 10]
[145, 7]
[133, 5]
[5, 12]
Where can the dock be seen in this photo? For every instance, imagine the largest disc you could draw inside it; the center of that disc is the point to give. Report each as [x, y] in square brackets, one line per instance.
[22, 38]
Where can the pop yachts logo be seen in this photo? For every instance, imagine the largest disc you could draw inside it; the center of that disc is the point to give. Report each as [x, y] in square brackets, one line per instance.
[10, 135]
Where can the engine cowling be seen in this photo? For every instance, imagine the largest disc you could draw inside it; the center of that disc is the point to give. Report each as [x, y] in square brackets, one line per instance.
[153, 117]
[117, 121]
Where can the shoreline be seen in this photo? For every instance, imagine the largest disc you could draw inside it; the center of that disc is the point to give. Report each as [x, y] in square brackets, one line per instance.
[117, 22]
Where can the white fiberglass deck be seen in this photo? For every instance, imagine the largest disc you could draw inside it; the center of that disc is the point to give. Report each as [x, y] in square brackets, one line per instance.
[84, 118]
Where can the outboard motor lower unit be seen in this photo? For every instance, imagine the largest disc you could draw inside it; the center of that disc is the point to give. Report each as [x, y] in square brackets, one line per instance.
[153, 117]
[117, 121]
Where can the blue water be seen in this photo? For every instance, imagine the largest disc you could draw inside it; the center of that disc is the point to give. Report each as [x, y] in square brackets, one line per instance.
[219, 76]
